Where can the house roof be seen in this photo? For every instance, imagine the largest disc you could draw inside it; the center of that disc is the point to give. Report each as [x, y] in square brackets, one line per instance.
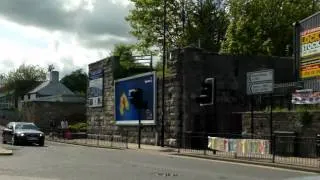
[51, 88]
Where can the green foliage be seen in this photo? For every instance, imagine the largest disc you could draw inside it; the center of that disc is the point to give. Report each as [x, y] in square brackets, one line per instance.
[77, 81]
[159, 72]
[264, 27]
[78, 127]
[23, 79]
[124, 51]
[205, 20]
[127, 63]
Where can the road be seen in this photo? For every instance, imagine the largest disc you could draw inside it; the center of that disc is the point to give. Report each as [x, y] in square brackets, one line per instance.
[62, 161]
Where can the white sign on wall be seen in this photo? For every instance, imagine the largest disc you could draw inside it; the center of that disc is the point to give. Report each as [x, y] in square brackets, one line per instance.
[260, 82]
[95, 88]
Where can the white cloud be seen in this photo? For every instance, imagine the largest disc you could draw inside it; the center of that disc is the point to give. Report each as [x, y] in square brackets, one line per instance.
[67, 33]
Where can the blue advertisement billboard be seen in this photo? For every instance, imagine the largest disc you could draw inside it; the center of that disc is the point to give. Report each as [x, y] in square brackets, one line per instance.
[125, 112]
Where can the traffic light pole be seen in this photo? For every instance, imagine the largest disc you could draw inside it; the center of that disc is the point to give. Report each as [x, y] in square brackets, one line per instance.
[164, 56]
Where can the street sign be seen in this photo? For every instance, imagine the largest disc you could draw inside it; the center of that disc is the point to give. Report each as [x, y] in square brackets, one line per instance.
[260, 82]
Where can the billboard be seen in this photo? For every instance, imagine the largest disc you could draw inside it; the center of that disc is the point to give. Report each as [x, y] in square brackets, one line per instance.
[125, 112]
[95, 95]
[310, 53]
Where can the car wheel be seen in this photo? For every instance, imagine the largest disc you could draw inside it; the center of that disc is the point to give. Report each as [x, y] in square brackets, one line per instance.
[4, 141]
[41, 143]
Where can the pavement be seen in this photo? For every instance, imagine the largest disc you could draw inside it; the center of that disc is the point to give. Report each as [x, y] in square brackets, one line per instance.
[58, 161]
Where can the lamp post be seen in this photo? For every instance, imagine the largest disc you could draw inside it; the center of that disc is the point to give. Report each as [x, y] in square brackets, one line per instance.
[163, 69]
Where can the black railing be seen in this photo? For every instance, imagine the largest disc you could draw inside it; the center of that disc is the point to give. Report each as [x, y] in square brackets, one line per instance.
[291, 150]
[104, 139]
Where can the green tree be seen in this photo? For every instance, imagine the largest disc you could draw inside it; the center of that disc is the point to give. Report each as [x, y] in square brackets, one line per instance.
[24, 73]
[76, 81]
[187, 22]
[125, 53]
[128, 65]
[264, 27]
[24, 79]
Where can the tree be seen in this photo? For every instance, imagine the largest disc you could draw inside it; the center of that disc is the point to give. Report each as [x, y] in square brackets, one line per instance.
[76, 81]
[187, 22]
[27, 73]
[264, 27]
[124, 51]
[128, 65]
[24, 79]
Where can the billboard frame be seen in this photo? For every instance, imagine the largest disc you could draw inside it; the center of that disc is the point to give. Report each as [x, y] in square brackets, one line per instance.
[143, 121]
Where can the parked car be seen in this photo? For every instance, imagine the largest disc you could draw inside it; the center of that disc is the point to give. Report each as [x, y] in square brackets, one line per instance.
[22, 132]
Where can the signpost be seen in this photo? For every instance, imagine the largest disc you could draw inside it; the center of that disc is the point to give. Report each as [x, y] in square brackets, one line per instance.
[260, 82]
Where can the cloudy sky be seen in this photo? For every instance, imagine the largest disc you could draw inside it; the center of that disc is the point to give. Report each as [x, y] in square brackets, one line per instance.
[67, 33]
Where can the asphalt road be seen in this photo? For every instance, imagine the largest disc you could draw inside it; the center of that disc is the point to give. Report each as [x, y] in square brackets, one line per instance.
[61, 161]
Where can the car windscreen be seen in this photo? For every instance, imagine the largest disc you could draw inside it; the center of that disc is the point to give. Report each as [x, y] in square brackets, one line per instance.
[26, 126]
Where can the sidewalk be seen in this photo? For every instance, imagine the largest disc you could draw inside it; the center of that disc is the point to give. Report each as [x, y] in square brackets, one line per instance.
[4, 152]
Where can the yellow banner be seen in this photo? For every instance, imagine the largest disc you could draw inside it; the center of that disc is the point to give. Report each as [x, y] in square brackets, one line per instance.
[310, 43]
[310, 71]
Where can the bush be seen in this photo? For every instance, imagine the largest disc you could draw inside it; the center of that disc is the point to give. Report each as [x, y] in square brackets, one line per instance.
[78, 127]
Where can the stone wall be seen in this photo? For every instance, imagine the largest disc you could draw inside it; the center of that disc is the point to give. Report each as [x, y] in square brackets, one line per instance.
[94, 114]
[101, 119]
[188, 67]
[42, 112]
[282, 121]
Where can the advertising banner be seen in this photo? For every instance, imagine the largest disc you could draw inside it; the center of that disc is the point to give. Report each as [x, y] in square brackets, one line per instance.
[125, 112]
[305, 97]
[310, 53]
[310, 70]
[95, 88]
[241, 146]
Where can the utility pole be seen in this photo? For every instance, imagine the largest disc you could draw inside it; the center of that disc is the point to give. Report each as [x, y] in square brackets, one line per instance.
[163, 69]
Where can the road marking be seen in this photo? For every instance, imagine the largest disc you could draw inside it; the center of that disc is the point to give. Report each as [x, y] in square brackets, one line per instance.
[244, 164]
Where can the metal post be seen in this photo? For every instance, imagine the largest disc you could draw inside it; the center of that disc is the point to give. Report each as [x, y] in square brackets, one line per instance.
[271, 123]
[215, 106]
[139, 129]
[273, 147]
[163, 70]
[252, 126]
[127, 140]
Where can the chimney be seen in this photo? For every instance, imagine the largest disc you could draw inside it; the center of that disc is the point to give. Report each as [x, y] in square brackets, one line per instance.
[54, 76]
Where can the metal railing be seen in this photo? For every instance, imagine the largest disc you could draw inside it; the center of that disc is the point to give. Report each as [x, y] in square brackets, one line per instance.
[107, 139]
[290, 150]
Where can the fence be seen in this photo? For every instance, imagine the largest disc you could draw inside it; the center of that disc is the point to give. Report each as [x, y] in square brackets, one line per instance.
[105, 139]
[290, 150]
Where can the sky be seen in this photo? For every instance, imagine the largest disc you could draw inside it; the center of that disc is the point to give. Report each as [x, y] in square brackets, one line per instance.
[69, 34]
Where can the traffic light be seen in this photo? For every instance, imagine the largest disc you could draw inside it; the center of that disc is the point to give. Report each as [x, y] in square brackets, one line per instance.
[136, 98]
[207, 92]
